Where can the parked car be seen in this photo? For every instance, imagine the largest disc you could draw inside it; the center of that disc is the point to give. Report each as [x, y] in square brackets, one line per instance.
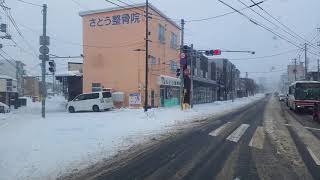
[282, 97]
[95, 101]
[4, 108]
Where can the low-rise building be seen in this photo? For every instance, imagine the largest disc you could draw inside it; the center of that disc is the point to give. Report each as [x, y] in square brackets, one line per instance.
[114, 54]
[31, 86]
[8, 91]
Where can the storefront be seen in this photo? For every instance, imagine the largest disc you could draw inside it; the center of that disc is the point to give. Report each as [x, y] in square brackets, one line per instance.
[204, 91]
[169, 91]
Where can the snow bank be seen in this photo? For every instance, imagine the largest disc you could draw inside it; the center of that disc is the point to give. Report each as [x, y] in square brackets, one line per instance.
[36, 148]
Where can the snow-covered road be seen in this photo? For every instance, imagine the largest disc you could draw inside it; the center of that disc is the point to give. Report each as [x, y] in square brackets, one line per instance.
[36, 148]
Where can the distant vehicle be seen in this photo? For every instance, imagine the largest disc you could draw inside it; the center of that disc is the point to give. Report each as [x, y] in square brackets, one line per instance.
[303, 95]
[282, 97]
[95, 101]
[4, 108]
[276, 94]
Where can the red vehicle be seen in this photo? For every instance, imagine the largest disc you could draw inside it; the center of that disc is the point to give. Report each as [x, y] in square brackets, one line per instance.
[303, 95]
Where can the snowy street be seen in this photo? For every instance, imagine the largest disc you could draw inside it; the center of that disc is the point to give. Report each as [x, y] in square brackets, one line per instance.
[36, 148]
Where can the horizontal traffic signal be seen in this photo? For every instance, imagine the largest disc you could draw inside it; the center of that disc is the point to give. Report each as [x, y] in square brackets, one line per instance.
[214, 52]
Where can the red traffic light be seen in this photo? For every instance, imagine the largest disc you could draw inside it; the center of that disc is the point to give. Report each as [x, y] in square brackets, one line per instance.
[217, 52]
[213, 52]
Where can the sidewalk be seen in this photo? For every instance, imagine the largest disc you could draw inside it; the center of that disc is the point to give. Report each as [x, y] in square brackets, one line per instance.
[36, 148]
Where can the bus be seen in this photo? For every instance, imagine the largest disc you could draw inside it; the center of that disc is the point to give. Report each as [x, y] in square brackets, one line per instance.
[303, 95]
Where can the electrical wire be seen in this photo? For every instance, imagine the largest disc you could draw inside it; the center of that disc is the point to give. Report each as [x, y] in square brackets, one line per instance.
[263, 57]
[265, 27]
[224, 14]
[285, 26]
[83, 7]
[33, 4]
[296, 36]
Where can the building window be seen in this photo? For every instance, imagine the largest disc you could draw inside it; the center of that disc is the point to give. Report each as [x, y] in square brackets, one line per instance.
[96, 87]
[153, 60]
[173, 42]
[161, 33]
[173, 66]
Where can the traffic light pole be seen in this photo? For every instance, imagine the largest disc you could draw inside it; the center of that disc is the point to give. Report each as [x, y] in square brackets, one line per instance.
[147, 58]
[181, 66]
[43, 66]
[191, 78]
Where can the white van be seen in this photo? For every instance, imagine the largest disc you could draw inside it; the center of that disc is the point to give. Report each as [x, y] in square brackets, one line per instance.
[95, 101]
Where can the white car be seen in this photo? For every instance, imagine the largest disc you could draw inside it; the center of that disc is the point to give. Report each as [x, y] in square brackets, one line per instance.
[282, 97]
[4, 108]
[95, 101]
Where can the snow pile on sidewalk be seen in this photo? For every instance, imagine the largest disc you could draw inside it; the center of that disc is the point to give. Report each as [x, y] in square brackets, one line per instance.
[36, 148]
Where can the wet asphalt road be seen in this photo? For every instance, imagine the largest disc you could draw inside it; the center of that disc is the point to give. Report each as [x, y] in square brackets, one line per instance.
[234, 146]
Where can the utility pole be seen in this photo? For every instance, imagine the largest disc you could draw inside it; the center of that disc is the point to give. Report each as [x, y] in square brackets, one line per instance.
[295, 70]
[191, 74]
[318, 75]
[305, 61]
[43, 65]
[232, 85]
[181, 66]
[147, 58]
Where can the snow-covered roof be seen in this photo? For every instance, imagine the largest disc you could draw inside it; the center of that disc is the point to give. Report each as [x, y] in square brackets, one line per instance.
[6, 77]
[69, 73]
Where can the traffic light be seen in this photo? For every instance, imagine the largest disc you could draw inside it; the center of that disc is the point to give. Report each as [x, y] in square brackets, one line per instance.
[214, 52]
[178, 72]
[52, 66]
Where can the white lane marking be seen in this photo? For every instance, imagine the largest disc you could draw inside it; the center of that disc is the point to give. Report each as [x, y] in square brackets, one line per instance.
[237, 134]
[218, 131]
[257, 140]
[316, 129]
[314, 157]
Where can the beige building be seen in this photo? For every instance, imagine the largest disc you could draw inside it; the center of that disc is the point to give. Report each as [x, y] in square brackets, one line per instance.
[114, 54]
[31, 86]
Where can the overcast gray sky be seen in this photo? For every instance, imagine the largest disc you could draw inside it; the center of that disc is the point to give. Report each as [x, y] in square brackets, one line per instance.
[232, 32]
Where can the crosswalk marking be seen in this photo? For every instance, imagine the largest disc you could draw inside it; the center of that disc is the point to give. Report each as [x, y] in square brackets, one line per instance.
[314, 157]
[218, 131]
[237, 134]
[257, 140]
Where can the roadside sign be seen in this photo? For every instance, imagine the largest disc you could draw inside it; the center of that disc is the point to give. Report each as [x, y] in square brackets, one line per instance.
[44, 41]
[182, 55]
[183, 61]
[44, 50]
[44, 57]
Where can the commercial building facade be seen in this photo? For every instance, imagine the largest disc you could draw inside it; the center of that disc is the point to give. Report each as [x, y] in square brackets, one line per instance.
[114, 54]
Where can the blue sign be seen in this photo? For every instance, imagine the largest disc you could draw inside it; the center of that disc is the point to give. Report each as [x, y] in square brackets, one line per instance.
[183, 61]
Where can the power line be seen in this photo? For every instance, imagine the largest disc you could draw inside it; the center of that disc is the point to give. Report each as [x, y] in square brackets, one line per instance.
[126, 44]
[225, 14]
[76, 2]
[264, 27]
[285, 25]
[33, 4]
[263, 57]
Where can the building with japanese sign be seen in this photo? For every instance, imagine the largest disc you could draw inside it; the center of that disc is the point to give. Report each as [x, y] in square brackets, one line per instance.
[114, 54]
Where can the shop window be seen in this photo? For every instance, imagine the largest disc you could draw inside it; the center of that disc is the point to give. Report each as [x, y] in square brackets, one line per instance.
[161, 33]
[96, 87]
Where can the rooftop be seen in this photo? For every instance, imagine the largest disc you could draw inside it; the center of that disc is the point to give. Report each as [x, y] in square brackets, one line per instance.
[85, 13]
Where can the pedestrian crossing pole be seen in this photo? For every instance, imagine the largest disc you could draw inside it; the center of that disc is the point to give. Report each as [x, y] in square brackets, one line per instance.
[43, 65]
[181, 66]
